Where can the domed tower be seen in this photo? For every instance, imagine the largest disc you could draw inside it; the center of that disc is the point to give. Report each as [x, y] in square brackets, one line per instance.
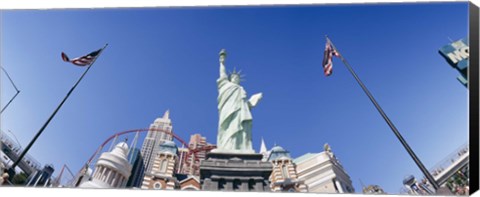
[284, 175]
[162, 175]
[112, 169]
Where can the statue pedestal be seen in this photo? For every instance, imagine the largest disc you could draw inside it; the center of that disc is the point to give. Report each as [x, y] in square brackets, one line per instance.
[222, 171]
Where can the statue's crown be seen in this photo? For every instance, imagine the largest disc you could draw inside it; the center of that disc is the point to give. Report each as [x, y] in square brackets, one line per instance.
[237, 73]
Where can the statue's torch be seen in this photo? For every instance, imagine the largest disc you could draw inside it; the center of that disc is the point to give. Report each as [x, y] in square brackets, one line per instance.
[223, 55]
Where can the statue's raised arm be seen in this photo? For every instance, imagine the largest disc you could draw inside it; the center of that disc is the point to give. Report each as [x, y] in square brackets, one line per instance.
[223, 72]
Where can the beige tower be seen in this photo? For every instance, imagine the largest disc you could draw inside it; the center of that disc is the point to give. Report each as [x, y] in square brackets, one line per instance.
[162, 175]
[159, 132]
[191, 165]
[284, 175]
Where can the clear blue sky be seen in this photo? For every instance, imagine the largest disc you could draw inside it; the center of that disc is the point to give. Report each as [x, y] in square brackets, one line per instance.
[167, 58]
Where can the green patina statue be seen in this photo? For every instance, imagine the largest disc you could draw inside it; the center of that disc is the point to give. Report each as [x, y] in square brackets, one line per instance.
[235, 119]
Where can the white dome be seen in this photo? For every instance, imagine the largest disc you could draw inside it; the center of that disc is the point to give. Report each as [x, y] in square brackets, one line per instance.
[121, 149]
[117, 159]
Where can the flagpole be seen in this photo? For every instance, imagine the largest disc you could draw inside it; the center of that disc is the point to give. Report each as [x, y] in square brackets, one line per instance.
[389, 122]
[12, 168]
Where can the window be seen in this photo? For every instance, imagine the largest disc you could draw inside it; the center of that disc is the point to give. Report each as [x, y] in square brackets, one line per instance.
[251, 185]
[285, 171]
[157, 185]
[236, 184]
[163, 166]
[221, 184]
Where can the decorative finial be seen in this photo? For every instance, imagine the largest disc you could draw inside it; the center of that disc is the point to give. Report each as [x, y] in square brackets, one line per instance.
[327, 148]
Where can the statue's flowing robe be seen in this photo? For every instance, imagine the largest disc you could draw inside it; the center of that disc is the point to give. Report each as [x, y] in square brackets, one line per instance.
[235, 119]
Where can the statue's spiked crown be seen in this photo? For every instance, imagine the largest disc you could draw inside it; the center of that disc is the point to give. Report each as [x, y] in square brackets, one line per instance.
[237, 73]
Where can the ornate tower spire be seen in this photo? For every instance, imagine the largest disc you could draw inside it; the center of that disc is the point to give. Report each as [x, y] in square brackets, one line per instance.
[167, 114]
[263, 148]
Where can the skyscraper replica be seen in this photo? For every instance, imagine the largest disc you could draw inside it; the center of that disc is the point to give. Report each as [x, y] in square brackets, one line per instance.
[154, 138]
[284, 175]
[323, 173]
[135, 159]
[112, 169]
[192, 161]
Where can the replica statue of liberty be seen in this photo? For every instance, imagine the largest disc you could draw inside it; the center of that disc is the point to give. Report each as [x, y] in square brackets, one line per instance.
[235, 119]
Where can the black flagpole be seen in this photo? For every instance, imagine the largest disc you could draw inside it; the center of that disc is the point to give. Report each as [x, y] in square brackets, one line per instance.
[12, 168]
[389, 122]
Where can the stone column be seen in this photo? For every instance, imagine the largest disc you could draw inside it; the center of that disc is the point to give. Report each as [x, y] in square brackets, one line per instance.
[117, 179]
[98, 172]
[229, 185]
[339, 186]
[114, 180]
[258, 185]
[122, 181]
[206, 184]
[109, 177]
[244, 185]
[266, 186]
[105, 175]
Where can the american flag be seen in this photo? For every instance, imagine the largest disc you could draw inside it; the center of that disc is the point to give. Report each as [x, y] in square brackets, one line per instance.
[84, 60]
[327, 58]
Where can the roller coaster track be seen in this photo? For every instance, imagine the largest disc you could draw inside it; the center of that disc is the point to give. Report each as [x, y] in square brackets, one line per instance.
[185, 159]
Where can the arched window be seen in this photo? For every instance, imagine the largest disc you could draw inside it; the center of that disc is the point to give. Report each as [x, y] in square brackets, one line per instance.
[163, 166]
[251, 184]
[221, 184]
[236, 184]
[285, 171]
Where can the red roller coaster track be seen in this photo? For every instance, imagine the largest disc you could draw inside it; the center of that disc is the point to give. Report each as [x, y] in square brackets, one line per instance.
[189, 153]
[134, 131]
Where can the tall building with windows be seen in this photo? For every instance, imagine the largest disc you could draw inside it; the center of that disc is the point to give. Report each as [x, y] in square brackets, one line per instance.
[135, 159]
[323, 173]
[157, 134]
[191, 164]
